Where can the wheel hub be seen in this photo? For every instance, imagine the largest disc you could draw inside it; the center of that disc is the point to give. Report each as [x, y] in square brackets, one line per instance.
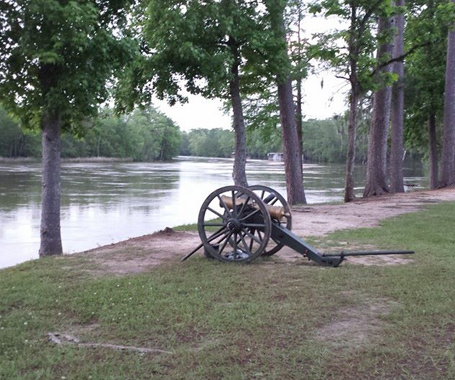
[234, 225]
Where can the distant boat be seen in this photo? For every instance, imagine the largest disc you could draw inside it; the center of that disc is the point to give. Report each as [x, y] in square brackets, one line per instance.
[274, 156]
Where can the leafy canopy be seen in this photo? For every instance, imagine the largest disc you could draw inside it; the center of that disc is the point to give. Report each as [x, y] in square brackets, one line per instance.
[192, 45]
[57, 56]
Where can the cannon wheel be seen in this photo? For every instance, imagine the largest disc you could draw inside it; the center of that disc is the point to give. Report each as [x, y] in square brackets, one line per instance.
[274, 198]
[225, 227]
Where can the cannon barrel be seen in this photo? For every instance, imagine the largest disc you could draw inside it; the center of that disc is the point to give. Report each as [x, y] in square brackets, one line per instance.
[275, 212]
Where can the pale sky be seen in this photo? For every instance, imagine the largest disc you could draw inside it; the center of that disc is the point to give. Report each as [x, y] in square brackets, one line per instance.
[319, 103]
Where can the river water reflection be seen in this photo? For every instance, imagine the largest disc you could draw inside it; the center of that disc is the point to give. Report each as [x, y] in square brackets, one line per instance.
[104, 203]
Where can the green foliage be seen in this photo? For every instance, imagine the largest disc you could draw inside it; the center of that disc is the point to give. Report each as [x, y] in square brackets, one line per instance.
[194, 45]
[57, 56]
[208, 143]
[327, 140]
[425, 68]
[14, 142]
[143, 135]
[350, 51]
[324, 141]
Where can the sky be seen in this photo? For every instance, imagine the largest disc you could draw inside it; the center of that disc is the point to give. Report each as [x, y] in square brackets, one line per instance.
[320, 102]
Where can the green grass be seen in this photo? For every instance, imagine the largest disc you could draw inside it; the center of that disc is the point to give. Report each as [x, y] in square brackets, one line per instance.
[257, 321]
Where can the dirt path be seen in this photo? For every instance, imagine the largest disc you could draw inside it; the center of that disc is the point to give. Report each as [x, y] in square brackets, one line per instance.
[141, 253]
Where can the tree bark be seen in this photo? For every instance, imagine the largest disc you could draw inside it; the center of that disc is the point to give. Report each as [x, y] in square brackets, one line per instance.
[239, 171]
[376, 178]
[291, 151]
[292, 162]
[448, 140]
[397, 148]
[299, 120]
[350, 158]
[433, 151]
[51, 241]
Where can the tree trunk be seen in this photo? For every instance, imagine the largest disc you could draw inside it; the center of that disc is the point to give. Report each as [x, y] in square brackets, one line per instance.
[292, 161]
[433, 151]
[396, 148]
[350, 158]
[292, 157]
[239, 173]
[299, 120]
[51, 242]
[376, 178]
[448, 140]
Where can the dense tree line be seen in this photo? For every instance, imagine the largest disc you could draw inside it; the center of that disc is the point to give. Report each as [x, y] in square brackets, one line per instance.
[143, 135]
[326, 141]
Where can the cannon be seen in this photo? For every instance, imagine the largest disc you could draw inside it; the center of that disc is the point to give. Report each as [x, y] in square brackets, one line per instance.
[239, 224]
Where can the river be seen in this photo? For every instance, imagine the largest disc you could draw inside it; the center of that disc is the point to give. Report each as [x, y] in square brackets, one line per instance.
[104, 203]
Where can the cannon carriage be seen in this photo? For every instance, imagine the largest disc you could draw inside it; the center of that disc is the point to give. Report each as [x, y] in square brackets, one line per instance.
[238, 224]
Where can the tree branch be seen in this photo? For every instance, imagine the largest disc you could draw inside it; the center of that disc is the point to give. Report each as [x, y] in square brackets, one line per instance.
[400, 58]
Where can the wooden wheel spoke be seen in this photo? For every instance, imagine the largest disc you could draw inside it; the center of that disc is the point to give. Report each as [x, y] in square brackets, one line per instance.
[253, 237]
[234, 208]
[271, 199]
[235, 245]
[213, 224]
[259, 234]
[250, 215]
[228, 236]
[242, 237]
[251, 240]
[217, 213]
[243, 206]
[216, 234]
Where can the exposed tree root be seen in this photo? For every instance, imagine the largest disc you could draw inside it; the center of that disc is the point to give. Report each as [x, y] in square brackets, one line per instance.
[64, 339]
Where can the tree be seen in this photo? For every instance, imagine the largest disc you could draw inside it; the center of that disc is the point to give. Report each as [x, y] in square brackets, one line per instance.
[350, 52]
[427, 25]
[280, 66]
[448, 141]
[376, 175]
[397, 146]
[57, 56]
[204, 46]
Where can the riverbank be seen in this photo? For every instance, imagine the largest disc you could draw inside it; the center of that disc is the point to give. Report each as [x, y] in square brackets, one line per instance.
[64, 160]
[315, 221]
[80, 317]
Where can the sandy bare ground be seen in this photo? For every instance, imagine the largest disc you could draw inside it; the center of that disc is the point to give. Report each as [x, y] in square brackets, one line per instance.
[142, 253]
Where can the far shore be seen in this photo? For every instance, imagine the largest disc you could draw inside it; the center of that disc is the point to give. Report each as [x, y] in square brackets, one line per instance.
[78, 159]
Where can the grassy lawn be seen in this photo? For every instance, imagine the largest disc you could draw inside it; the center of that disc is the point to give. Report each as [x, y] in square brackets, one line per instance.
[266, 320]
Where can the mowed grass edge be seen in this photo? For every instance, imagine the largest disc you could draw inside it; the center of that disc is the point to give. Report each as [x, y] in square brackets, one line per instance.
[266, 320]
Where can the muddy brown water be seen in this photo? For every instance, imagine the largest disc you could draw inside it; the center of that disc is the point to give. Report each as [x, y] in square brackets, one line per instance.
[104, 203]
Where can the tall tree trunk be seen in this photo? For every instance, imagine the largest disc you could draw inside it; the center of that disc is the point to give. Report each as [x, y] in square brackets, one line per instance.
[396, 148]
[299, 120]
[51, 241]
[350, 158]
[292, 158]
[433, 151]
[376, 177]
[239, 172]
[292, 161]
[448, 141]
[299, 87]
